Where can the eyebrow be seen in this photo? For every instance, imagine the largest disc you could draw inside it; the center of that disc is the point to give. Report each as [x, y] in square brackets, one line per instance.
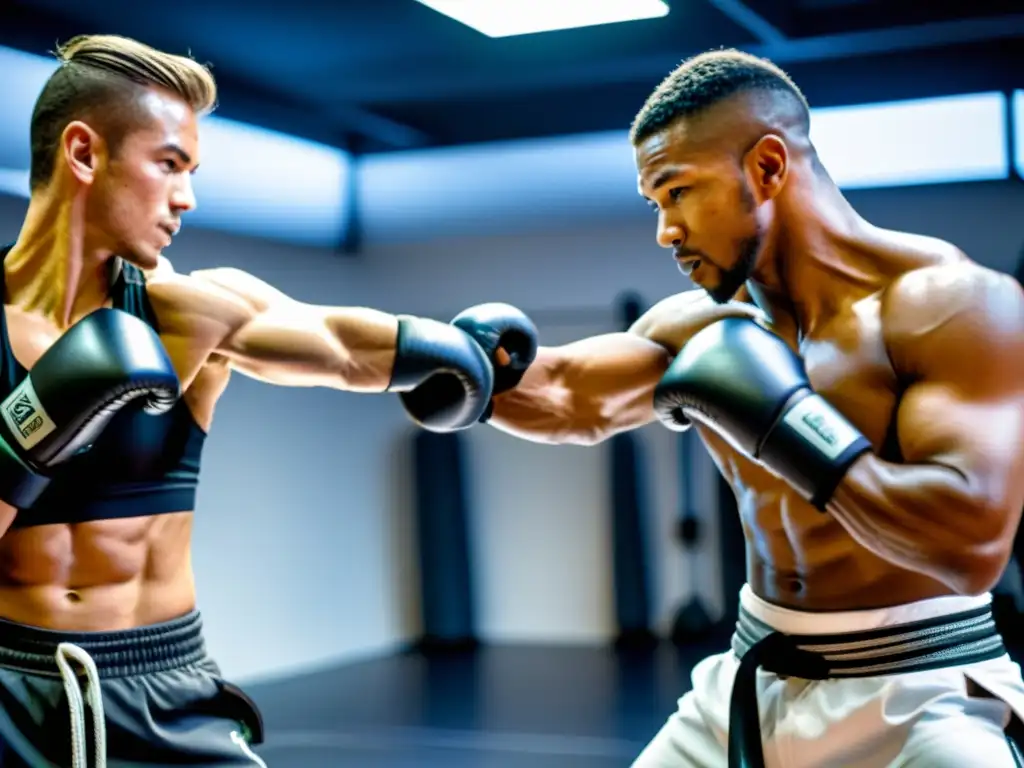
[665, 177]
[186, 158]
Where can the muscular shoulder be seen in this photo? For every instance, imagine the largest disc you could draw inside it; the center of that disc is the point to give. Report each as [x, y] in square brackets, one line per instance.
[953, 308]
[206, 303]
[238, 285]
[673, 320]
[924, 299]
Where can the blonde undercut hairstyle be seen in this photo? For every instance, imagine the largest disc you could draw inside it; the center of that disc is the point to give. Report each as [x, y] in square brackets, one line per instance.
[99, 80]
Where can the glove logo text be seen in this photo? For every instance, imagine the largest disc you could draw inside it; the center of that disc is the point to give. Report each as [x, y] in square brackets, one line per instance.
[817, 423]
[24, 415]
[824, 430]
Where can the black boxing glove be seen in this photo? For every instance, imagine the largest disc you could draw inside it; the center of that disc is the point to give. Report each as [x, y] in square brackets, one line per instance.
[496, 325]
[103, 362]
[747, 384]
[443, 377]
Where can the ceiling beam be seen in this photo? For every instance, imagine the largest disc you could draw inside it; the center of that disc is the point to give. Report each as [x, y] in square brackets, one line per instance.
[755, 20]
[894, 39]
[247, 102]
[37, 31]
[934, 73]
[475, 81]
[353, 119]
[339, 124]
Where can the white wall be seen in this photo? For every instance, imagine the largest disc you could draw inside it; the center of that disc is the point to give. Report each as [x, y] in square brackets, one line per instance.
[302, 545]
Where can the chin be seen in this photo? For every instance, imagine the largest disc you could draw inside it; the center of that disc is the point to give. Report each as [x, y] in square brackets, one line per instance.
[728, 286]
[720, 296]
[143, 258]
[731, 280]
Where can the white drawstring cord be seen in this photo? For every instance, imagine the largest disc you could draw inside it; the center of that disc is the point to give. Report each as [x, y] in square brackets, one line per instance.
[67, 653]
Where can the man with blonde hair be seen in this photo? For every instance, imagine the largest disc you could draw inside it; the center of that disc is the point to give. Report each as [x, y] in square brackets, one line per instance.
[112, 364]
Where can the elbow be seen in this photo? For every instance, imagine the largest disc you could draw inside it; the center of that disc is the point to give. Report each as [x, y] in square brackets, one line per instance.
[976, 579]
[965, 572]
[977, 566]
[987, 566]
[979, 547]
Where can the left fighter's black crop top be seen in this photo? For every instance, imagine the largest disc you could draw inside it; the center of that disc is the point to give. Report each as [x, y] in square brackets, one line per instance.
[140, 464]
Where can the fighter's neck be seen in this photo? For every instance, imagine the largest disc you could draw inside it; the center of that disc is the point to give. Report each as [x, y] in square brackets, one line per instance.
[53, 270]
[818, 261]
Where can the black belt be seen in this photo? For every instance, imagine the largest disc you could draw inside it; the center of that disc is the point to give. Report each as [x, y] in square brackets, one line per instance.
[952, 640]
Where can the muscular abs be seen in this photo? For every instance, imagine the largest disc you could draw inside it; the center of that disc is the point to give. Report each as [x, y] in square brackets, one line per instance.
[797, 556]
[107, 574]
[97, 576]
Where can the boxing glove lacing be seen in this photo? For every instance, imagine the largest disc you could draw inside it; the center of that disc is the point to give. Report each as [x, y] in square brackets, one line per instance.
[66, 654]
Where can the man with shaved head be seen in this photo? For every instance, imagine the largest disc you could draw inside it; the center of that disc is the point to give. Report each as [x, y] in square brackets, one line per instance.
[862, 391]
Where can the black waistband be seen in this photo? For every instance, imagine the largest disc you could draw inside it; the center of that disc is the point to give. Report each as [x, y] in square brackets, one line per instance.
[139, 651]
[956, 639]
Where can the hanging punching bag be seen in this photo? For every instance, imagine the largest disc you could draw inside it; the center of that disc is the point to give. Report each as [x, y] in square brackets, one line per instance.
[693, 621]
[446, 587]
[732, 553]
[629, 510]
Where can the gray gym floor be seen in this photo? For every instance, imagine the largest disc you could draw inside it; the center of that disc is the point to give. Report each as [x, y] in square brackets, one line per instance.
[495, 707]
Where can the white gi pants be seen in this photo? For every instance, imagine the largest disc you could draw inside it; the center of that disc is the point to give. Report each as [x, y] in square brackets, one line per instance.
[952, 717]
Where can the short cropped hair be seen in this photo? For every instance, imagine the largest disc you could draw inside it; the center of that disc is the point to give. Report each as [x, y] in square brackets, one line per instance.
[100, 77]
[703, 81]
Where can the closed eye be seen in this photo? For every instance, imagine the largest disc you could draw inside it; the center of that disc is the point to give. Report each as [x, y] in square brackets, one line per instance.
[173, 166]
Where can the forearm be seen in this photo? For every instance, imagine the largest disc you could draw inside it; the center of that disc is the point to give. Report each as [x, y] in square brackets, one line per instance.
[925, 518]
[543, 408]
[541, 415]
[585, 392]
[299, 345]
[366, 343]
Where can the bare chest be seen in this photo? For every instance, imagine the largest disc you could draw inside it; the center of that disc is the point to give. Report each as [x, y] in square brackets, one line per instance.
[28, 335]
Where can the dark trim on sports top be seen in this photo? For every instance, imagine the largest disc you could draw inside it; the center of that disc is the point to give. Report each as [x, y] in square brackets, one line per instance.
[141, 464]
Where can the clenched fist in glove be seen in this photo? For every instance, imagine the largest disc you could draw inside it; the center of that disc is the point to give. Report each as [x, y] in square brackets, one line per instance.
[103, 362]
[501, 328]
[745, 382]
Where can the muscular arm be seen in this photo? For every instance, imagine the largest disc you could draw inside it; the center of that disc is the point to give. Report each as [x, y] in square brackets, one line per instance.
[269, 336]
[952, 509]
[585, 392]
